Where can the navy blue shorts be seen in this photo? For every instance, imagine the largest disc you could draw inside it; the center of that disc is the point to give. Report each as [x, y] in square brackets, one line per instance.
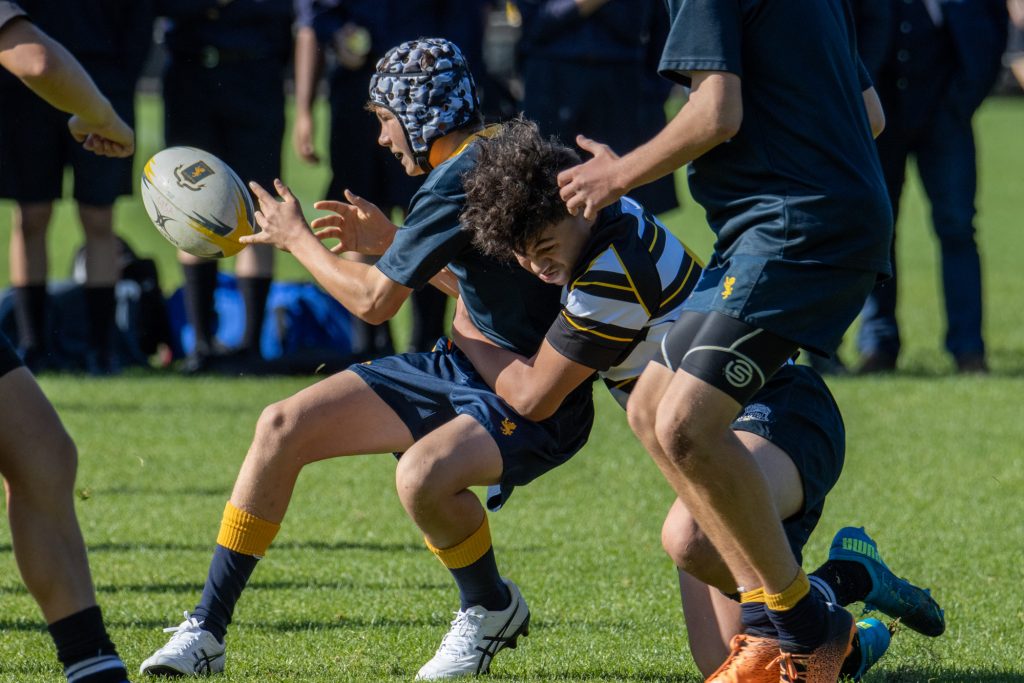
[35, 147]
[427, 390]
[796, 412]
[810, 304]
[9, 358]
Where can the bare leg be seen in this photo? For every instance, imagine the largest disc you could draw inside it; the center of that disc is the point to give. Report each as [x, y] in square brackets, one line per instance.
[338, 416]
[434, 475]
[100, 245]
[38, 461]
[28, 244]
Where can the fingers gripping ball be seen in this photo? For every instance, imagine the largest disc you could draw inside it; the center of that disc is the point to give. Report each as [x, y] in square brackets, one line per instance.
[197, 202]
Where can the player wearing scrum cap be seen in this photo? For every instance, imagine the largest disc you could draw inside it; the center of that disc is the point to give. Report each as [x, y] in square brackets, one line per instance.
[450, 428]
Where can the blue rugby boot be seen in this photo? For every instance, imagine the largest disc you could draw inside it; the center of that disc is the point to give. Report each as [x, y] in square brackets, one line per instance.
[891, 595]
[873, 638]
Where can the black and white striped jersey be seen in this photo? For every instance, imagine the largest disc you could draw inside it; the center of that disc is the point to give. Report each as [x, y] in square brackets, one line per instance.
[625, 293]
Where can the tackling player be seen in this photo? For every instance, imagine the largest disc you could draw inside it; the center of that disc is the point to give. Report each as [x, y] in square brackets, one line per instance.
[625, 279]
[778, 127]
[452, 430]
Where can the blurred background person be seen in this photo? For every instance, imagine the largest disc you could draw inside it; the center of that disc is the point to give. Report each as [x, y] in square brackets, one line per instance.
[223, 92]
[589, 67]
[111, 39]
[353, 35]
[941, 62]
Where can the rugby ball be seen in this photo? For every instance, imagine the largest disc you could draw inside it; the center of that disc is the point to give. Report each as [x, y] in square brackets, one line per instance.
[197, 202]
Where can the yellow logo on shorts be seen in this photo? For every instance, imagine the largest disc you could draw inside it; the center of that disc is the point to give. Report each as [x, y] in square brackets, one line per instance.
[507, 427]
[727, 287]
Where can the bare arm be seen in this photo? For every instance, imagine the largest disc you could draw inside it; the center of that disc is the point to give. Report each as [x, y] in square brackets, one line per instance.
[876, 115]
[534, 387]
[308, 63]
[361, 288]
[50, 71]
[712, 115]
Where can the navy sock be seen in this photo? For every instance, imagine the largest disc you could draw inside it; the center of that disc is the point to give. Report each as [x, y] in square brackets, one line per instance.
[254, 292]
[849, 581]
[804, 626]
[756, 621]
[85, 650]
[30, 310]
[200, 285]
[100, 307]
[480, 584]
[228, 574]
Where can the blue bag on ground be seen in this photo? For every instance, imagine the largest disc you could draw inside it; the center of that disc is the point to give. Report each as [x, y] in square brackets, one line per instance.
[304, 327]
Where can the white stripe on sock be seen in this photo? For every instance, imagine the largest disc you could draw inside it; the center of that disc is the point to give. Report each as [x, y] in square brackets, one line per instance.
[826, 590]
[93, 665]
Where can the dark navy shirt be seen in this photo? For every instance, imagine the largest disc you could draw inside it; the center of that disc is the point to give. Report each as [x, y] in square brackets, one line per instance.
[618, 32]
[803, 168]
[512, 307]
[244, 29]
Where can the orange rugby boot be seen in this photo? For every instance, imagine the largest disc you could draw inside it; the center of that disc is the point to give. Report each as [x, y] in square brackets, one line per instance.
[750, 660]
[823, 664]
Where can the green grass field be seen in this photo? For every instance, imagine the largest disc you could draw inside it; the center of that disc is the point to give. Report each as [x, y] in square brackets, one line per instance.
[935, 470]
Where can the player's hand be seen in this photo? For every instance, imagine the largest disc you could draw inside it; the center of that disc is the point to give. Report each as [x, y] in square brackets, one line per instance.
[302, 138]
[110, 138]
[360, 225]
[281, 222]
[593, 185]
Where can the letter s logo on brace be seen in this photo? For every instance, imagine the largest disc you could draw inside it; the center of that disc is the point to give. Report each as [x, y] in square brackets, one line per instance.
[738, 373]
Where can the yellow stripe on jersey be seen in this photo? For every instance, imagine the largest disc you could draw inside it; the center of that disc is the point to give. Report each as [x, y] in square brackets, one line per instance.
[682, 284]
[609, 285]
[625, 272]
[594, 332]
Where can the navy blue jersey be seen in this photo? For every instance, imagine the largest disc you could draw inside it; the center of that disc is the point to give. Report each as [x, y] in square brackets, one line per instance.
[242, 29]
[508, 304]
[803, 168]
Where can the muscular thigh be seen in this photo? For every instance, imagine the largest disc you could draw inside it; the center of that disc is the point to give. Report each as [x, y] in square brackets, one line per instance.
[29, 426]
[340, 415]
[458, 454]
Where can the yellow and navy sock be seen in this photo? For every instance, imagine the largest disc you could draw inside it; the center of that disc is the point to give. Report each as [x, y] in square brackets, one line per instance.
[475, 570]
[242, 541]
[800, 616]
[754, 614]
[85, 650]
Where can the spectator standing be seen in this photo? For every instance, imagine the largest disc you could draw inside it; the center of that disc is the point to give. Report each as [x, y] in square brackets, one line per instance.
[357, 32]
[111, 39]
[941, 62]
[220, 53]
[577, 56]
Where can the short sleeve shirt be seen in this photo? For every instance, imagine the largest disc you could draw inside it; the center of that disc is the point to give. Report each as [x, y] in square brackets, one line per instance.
[508, 304]
[8, 11]
[801, 180]
[626, 292]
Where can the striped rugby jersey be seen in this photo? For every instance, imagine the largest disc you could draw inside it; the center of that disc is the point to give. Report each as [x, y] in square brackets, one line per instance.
[625, 293]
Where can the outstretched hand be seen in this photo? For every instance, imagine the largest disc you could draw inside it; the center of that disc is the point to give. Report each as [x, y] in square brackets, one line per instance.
[359, 225]
[592, 185]
[281, 222]
[113, 138]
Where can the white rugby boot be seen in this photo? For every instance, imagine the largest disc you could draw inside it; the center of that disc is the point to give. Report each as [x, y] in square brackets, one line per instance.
[191, 651]
[476, 635]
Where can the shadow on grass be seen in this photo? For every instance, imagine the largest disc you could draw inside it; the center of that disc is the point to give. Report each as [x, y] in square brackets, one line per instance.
[284, 545]
[945, 675]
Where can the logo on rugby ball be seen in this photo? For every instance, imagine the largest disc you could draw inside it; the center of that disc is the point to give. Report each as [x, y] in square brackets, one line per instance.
[191, 177]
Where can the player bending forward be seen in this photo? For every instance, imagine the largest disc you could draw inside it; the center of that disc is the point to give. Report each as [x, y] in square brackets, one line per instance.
[624, 279]
[452, 430]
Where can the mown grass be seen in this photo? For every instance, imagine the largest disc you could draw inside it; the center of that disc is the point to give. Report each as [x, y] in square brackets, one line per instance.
[348, 593]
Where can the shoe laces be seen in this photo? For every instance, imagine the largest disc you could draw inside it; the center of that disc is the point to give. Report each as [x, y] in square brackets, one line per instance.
[464, 632]
[185, 634]
[792, 666]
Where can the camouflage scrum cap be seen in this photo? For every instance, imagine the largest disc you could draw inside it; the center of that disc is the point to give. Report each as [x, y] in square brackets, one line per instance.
[427, 85]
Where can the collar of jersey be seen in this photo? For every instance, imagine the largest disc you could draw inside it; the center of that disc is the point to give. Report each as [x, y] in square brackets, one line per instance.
[488, 132]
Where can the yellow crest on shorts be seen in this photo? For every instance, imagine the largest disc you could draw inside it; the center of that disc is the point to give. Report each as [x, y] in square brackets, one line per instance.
[507, 427]
[727, 286]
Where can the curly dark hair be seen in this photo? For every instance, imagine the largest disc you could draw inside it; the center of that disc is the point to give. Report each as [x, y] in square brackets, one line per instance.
[512, 192]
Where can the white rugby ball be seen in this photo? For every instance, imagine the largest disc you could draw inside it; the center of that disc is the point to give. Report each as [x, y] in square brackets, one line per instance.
[197, 202]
